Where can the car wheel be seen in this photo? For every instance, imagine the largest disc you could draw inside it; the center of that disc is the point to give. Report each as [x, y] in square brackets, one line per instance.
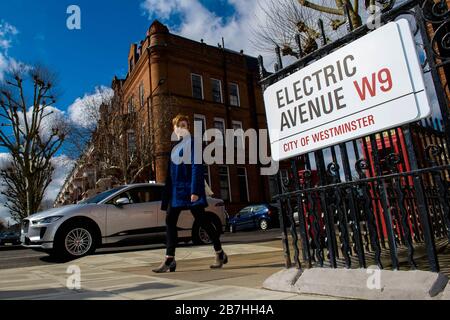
[199, 235]
[75, 241]
[263, 224]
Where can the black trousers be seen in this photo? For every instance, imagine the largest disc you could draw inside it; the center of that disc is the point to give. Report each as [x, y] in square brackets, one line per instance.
[200, 218]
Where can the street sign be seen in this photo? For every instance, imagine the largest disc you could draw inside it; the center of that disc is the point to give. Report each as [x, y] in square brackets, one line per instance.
[372, 84]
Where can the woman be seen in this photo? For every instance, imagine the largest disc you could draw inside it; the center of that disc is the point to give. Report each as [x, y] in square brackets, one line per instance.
[185, 189]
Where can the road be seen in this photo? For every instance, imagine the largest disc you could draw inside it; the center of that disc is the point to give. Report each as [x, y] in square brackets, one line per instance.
[21, 257]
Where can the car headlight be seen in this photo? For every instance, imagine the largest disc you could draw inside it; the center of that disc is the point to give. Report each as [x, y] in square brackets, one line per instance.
[47, 220]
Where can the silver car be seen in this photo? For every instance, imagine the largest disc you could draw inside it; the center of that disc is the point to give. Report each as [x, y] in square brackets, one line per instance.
[122, 213]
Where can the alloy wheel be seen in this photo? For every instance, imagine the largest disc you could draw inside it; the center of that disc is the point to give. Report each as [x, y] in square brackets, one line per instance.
[78, 241]
[263, 224]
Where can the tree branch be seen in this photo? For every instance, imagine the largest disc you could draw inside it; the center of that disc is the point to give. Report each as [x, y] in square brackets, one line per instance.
[321, 8]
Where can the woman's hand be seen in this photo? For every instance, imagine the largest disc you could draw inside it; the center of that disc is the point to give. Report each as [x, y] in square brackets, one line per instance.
[194, 197]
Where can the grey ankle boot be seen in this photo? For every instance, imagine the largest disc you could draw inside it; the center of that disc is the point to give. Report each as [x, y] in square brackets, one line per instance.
[220, 261]
[164, 267]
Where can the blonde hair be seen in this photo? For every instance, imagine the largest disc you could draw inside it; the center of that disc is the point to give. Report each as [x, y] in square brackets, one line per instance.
[180, 117]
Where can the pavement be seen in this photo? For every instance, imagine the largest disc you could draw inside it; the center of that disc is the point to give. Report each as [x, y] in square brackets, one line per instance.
[125, 272]
[126, 275]
[18, 257]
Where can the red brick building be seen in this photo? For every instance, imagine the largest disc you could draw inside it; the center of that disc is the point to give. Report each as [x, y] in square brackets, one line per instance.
[169, 74]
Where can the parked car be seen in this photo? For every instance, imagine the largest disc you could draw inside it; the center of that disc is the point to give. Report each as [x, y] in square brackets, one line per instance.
[122, 213]
[9, 238]
[262, 216]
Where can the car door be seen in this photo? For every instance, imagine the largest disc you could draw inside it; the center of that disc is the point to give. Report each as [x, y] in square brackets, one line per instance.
[243, 220]
[255, 214]
[137, 219]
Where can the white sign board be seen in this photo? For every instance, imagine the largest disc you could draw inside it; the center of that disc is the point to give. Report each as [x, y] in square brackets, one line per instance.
[372, 84]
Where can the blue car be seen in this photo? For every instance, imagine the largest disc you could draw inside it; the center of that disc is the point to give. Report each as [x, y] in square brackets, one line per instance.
[260, 216]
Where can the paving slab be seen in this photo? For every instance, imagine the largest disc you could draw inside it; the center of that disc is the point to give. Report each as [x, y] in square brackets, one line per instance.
[231, 293]
[84, 295]
[30, 292]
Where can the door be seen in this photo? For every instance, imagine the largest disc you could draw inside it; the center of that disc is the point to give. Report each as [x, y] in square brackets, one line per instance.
[138, 218]
[256, 213]
[244, 221]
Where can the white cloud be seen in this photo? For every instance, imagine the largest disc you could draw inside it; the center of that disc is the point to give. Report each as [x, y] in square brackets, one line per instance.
[83, 111]
[63, 165]
[53, 118]
[198, 22]
[5, 64]
[7, 33]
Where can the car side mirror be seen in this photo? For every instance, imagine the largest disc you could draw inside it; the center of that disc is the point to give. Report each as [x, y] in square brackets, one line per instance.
[122, 201]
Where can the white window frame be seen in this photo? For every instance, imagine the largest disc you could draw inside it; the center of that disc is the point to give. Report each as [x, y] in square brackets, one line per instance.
[200, 116]
[220, 89]
[246, 181]
[229, 182]
[201, 84]
[224, 129]
[238, 94]
[241, 127]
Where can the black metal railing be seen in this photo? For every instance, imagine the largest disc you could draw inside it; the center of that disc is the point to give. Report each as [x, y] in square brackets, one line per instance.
[383, 198]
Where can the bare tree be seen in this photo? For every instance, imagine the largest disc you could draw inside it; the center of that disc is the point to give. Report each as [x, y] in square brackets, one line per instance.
[125, 143]
[282, 20]
[80, 134]
[26, 99]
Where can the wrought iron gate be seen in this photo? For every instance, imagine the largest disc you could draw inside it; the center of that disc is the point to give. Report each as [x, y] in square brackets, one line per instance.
[382, 198]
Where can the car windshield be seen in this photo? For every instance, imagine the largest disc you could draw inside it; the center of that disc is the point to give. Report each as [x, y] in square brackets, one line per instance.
[101, 196]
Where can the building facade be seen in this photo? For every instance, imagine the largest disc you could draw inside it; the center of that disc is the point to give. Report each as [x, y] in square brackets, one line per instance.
[167, 75]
